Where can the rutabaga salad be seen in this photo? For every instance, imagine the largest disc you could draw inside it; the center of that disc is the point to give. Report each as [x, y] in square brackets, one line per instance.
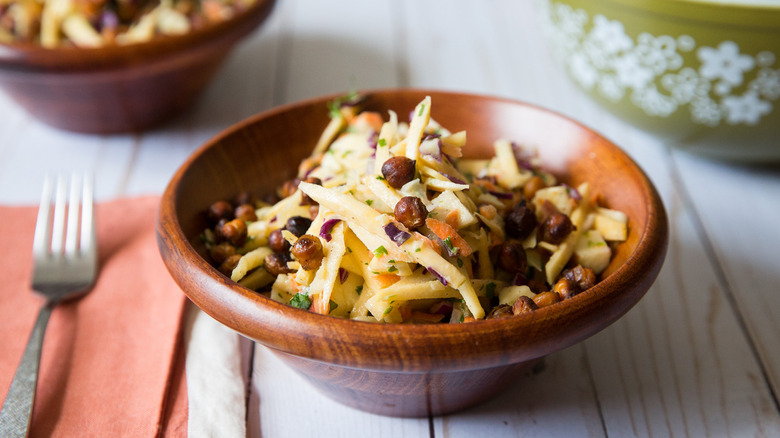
[388, 222]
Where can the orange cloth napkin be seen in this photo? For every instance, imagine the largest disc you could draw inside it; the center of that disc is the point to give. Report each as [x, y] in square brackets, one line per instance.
[112, 362]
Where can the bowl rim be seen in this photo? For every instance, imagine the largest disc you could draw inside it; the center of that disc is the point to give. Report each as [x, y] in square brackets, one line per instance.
[750, 17]
[588, 308]
[27, 57]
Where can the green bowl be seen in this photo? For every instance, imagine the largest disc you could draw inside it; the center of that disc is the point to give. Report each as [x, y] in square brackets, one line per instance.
[704, 75]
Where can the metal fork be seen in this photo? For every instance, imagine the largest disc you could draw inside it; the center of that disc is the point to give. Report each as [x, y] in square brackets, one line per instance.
[65, 266]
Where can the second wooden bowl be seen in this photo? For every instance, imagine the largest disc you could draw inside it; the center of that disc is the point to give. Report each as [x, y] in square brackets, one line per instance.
[116, 89]
[401, 369]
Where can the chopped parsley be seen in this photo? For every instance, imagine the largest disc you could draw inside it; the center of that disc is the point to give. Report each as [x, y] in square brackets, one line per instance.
[380, 178]
[300, 301]
[417, 249]
[392, 269]
[388, 310]
[333, 305]
[422, 108]
[460, 263]
[344, 155]
[490, 290]
[379, 252]
[369, 202]
[359, 289]
[382, 142]
[450, 247]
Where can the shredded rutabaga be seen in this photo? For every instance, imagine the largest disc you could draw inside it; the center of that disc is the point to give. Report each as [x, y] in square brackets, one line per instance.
[484, 235]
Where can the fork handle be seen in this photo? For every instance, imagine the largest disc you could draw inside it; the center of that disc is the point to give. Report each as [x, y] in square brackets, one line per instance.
[17, 408]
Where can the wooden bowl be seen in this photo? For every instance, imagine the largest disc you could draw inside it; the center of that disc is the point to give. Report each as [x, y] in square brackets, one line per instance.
[403, 369]
[116, 89]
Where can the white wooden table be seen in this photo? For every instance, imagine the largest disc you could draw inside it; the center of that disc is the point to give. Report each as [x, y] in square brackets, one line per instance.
[698, 356]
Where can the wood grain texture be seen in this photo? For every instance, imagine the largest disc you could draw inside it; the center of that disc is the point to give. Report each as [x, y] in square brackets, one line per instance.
[121, 88]
[440, 368]
[686, 361]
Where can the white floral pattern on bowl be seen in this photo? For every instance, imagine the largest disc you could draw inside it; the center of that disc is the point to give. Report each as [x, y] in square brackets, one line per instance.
[649, 71]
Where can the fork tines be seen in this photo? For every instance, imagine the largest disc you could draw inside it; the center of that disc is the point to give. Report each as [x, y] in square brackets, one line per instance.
[73, 201]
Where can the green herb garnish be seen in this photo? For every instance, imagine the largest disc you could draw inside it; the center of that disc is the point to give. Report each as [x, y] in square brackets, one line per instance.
[359, 289]
[382, 142]
[300, 301]
[450, 247]
[379, 252]
[490, 290]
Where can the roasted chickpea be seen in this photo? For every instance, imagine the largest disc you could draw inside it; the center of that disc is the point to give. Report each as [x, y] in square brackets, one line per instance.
[234, 231]
[398, 171]
[556, 228]
[305, 199]
[276, 264]
[512, 258]
[220, 210]
[288, 188]
[246, 212]
[500, 311]
[520, 221]
[566, 288]
[411, 212]
[545, 299]
[298, 225]
[524, 304]
[244, 198]
[219, 253]
[277, 242]
[308, 251]
[230, 263]
[585, 278]
[532, 186]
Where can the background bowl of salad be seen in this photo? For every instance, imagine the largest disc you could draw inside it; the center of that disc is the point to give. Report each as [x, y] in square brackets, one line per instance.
[399, 369]
[124, 66]
[702, 74]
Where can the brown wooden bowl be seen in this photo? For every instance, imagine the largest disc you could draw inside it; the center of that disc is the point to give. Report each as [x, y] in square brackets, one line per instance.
[403, 369]
[116, 89]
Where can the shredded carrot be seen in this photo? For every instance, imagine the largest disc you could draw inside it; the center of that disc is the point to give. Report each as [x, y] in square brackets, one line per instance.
[418, 316]
[488, 185]
[469, 319]
[324, 306]
[406, 312]
[385, 280]
[445, 232]
[488, 211]
[452, 219]
[428, 242]
[317, 306]
[370, 118]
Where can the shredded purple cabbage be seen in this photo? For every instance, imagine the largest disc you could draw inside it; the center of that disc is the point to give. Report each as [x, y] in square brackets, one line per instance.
[372, 140]
[500, 195]
[343, 274]
[327, 227]
[431, 148]
[398, 235]
[574, 193]
[438, 276]
[455, 180]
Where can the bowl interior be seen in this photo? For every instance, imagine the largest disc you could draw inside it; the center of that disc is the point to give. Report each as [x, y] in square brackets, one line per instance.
[260, 153]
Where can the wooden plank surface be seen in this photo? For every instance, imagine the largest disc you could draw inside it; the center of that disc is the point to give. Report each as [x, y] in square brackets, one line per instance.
[698, 356]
